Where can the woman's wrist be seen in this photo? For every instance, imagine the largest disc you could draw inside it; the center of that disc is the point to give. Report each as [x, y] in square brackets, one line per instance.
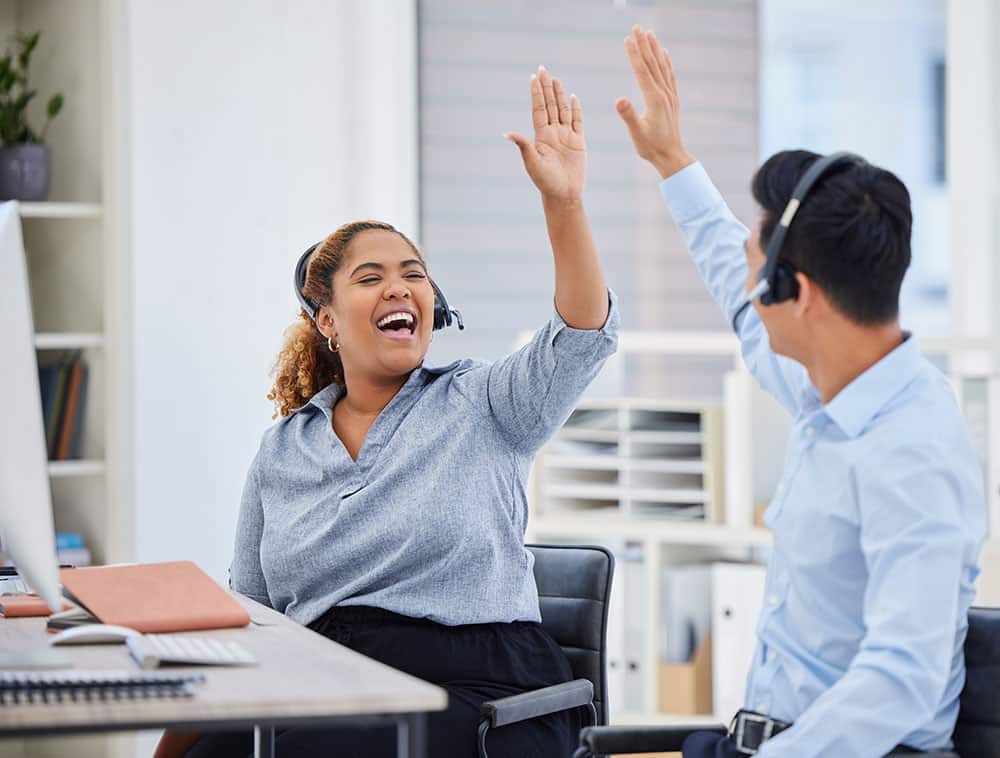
[562, 203]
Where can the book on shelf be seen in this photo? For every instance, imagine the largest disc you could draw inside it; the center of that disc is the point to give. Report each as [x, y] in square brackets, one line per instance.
[71, 549]
[63, 384]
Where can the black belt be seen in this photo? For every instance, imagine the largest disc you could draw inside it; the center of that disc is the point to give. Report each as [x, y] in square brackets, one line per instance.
[749, 730]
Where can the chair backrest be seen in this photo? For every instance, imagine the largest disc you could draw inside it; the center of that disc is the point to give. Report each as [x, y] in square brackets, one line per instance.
[574, 585]
[977, 732]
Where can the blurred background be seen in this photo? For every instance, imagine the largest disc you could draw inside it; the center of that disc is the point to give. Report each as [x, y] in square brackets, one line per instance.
[202, 146]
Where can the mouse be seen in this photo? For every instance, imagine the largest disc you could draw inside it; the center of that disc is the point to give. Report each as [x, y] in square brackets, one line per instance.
[92, 634]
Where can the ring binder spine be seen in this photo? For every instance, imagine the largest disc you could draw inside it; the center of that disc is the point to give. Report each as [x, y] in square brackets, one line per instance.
[17, 688]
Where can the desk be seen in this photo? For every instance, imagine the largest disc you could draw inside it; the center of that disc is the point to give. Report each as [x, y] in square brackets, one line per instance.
[302, 679]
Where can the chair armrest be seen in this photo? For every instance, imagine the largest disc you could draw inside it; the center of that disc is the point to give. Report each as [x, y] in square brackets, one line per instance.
[529, 705]
[640, 739]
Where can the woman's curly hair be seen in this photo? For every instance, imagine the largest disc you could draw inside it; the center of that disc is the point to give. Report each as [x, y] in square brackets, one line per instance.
[305, 364]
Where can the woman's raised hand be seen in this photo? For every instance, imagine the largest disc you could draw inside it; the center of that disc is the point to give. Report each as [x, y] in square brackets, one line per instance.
[556, 160]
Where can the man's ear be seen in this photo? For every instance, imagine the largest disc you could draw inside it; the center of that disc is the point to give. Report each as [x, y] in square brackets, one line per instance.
[806, 299]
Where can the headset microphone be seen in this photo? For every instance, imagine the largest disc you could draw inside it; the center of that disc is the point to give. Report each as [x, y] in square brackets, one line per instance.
[760, 289]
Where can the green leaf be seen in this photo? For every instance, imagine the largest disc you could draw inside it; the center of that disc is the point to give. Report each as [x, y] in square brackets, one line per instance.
[55, 105]
[28, 43]
[22, 102]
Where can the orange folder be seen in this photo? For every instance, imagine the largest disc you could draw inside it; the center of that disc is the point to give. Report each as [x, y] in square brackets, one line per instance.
[16, 606]
[154, 597]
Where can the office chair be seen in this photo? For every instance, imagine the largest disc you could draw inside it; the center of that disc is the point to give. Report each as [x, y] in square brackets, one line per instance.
[977, 733]
[574, 583]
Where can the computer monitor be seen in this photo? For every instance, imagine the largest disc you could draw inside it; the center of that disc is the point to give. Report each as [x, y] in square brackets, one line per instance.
[26, 528]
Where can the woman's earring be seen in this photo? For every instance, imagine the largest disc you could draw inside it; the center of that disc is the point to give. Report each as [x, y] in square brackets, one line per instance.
[329, 344]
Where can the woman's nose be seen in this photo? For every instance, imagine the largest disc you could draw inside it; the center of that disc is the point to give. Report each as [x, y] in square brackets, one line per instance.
[397, 290]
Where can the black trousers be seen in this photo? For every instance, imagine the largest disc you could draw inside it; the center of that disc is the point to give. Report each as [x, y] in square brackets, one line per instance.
[711, 745]
[473, 663]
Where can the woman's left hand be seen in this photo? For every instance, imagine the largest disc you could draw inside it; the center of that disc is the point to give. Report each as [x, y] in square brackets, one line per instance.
[557, 159]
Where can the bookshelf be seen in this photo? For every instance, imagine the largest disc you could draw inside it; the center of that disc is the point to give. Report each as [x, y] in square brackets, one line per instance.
[73, 246]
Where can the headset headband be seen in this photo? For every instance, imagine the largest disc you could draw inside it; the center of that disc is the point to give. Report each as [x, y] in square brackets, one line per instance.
[311, 306]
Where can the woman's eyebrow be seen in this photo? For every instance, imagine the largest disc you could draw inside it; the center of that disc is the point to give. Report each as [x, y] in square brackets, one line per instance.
[372, 266]
[379, 267]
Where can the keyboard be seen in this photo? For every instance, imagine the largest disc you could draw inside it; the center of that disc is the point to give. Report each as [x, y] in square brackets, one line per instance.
[153, 650]
[12, 585]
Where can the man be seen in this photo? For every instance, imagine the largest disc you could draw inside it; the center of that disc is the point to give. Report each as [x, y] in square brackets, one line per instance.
[880, 513]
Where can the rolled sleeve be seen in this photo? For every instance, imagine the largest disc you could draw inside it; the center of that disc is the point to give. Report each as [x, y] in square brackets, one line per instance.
[531, 392]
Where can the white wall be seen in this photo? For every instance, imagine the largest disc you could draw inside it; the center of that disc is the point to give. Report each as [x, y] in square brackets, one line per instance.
[256, 127]
[974, 164]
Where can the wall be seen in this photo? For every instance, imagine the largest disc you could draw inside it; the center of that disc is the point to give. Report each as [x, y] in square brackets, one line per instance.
[255, 128]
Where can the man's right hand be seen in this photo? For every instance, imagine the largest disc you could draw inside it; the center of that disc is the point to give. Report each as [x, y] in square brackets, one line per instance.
[656, 134]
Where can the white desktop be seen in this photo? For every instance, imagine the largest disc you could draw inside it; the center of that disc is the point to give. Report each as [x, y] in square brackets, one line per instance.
[26, 528]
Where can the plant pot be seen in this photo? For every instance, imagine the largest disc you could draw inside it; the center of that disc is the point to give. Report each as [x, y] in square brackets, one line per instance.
[24, 172]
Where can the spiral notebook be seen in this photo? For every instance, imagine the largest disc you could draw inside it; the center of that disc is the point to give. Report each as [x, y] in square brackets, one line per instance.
[25, 687]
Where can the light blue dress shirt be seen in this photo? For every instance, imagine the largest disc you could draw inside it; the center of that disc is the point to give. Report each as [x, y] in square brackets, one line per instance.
[878, 522]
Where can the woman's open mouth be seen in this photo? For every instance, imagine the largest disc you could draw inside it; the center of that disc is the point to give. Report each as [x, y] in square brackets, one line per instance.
[398, 325]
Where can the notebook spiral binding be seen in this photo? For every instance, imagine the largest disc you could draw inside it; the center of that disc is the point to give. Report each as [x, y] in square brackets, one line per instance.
[22, 687]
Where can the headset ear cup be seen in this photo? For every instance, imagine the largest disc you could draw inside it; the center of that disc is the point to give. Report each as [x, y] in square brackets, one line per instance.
[439, 314]
[784, 286]
[442, 316]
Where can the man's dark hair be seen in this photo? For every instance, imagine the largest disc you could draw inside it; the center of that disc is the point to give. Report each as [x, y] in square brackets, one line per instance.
[851, 235]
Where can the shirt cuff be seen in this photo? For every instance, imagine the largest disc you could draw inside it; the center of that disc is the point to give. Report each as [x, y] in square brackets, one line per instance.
[690, 193]
[583, 340]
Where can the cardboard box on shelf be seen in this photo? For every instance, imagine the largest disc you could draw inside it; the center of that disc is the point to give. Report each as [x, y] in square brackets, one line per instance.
[686, 688]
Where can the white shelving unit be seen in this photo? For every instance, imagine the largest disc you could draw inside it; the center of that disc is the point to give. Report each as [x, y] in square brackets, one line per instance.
[73, 245]
[634, 458]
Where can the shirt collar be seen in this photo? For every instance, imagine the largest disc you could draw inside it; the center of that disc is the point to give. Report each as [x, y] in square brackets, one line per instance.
[326, 398]
[856, 404]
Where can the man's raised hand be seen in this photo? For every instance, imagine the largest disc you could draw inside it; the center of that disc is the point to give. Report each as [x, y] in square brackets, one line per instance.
[656, 133]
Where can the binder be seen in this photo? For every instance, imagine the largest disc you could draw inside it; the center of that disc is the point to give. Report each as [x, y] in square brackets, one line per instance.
[737, 598]
[27, 687]
[633, 575]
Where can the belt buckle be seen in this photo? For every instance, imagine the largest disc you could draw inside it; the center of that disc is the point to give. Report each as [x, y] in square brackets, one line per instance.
[738, 733]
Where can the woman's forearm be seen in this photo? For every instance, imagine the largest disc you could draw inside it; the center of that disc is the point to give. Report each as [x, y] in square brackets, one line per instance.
[581, 292]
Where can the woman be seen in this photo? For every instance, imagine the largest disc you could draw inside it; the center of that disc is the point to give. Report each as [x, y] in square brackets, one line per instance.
[387, 509]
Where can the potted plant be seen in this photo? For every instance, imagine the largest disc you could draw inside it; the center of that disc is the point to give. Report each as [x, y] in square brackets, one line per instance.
[25, 165]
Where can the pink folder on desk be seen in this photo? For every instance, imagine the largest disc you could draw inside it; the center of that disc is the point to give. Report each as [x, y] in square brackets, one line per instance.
[154, 597]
